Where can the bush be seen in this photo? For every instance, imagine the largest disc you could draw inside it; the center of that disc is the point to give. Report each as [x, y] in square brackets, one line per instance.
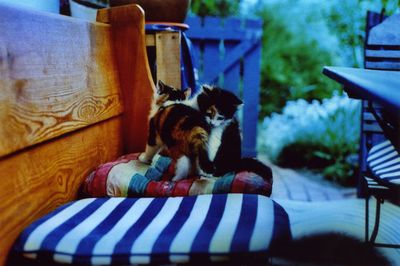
[292, 59]
[320, 135]
[219, 8]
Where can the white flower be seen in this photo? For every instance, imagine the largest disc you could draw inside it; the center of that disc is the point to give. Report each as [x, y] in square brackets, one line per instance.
[332, 123]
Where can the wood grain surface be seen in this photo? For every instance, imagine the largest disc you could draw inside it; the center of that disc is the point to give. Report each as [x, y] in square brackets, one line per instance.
[56, 75]
[168, 57]
[129, 44]
[43, 177]
[73, 95]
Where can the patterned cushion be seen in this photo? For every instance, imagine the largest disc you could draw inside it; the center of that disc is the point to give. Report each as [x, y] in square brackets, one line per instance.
[384, 162]
[125, 231]
[128, 177]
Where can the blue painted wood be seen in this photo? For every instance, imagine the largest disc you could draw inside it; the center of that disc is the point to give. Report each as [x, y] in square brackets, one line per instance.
[217, 34]
[232, 75]
[194, 24]
[251, 94]
[211, 56]
[233, 58]
[223, 47]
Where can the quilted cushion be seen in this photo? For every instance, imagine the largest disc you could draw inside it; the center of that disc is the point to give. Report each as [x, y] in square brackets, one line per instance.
[128, 177]
[384, 162]
[125, 231]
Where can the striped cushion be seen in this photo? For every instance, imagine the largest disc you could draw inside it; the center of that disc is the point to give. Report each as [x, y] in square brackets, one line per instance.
[128, 177]
[384, 162]
[155, 230]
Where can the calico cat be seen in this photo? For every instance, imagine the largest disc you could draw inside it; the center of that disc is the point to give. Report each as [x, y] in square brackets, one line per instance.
[163, 96]
[219, 107]
[182, 130]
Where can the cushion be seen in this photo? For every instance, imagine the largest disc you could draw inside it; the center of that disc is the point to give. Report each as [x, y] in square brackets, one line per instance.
[125, 231]
[128, 177]
[384, 162]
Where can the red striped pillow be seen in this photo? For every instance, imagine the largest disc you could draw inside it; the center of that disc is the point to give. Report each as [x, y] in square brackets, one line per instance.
[128, 177]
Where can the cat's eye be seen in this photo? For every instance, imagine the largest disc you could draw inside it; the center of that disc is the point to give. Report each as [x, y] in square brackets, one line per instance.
[220, 118]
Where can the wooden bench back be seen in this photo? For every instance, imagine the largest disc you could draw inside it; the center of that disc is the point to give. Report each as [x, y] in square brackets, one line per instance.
[73, 95]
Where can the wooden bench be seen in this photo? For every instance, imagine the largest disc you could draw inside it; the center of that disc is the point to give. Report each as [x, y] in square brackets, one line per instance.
[73, 95]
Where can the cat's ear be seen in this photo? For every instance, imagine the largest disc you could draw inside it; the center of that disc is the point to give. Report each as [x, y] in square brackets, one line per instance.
[160, 87]
[238, 102]
[206, 88]
[188, 92]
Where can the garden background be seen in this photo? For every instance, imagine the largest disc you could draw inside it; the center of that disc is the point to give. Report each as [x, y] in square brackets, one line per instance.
[306, 121]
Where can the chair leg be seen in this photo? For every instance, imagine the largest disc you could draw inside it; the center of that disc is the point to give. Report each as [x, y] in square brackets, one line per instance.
[379, 201]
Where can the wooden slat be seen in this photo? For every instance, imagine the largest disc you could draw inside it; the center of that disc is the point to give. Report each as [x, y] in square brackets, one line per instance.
[208, 31]
[56, 75]
[232, 76]
[137, 86]
[367, 116]
[374, 128]
[196, 52]
[211, 58]
[150, 39]
[168, 57]
[395, 54]
[251, 96]
[382, 65]
[36, 181]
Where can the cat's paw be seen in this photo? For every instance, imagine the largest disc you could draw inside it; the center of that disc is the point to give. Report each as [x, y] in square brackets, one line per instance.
[178, 178]
[204, 174]
[143, 159]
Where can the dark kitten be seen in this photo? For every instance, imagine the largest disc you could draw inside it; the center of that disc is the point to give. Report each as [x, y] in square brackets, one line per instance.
[168, 93]
[220, 106]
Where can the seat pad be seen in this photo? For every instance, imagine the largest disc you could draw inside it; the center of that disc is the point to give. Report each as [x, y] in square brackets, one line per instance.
[384, 162]
[109, 231]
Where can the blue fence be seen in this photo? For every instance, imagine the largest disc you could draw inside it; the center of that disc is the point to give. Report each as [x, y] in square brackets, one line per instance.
[228, 53]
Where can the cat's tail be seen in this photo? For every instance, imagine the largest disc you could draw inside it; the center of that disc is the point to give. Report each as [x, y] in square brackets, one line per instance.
[255, 166]
[199, 148]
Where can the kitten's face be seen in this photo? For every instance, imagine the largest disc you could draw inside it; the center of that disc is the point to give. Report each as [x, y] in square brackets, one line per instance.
[166, 93]
[218, 105]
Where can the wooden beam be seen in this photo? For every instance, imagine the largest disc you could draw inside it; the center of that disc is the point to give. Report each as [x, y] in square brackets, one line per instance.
[150, 39]
[168, 57]
[128, 35]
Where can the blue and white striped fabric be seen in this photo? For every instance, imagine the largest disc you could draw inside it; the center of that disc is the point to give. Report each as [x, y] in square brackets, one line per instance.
[108, 231]
[384, 162]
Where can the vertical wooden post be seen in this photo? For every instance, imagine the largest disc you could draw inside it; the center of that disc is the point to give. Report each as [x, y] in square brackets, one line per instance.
[128, 35]
[211, 56]
[168, 57]
[232, 75]
[251, 95]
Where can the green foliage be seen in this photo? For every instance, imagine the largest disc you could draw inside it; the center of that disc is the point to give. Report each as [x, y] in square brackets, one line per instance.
[291, 63]
[220, 8]
[340, 167]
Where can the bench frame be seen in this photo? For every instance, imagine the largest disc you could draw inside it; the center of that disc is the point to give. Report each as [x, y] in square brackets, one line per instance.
[74, 94]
